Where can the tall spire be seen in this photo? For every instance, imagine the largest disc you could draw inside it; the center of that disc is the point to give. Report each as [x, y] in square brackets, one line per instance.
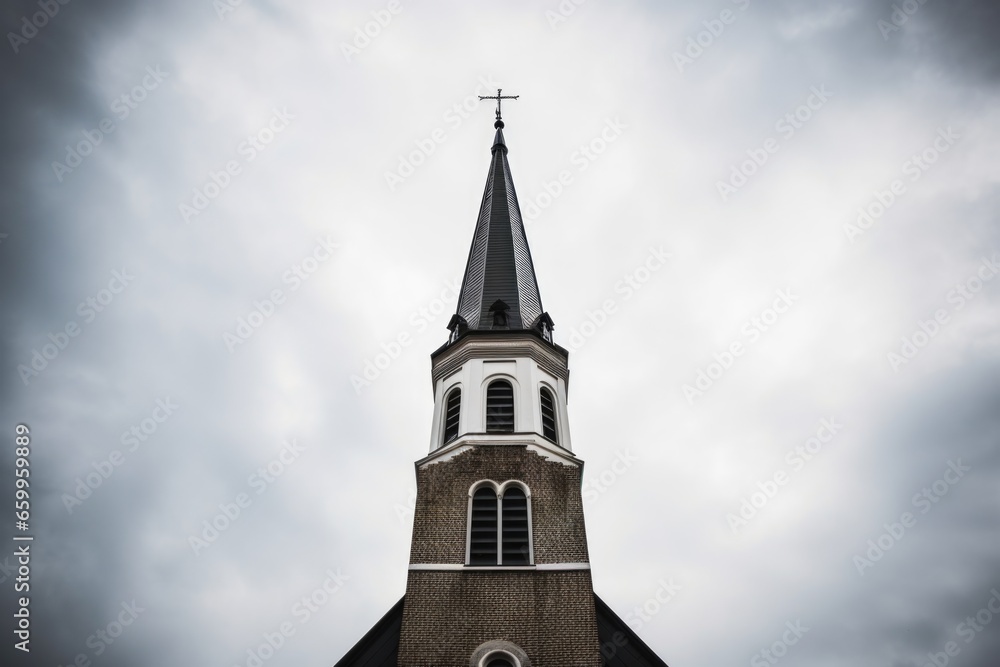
[499, 290]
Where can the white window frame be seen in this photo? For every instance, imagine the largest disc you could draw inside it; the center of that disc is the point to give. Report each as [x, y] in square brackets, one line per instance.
[444, 411]
[499, 490]
[518, 411]
[506, 655]
[555, 411]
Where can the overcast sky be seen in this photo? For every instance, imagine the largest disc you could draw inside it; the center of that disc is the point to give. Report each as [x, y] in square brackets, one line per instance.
[216, 216]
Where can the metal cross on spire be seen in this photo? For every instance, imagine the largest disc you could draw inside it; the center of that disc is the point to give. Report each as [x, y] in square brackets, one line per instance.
[498, 97]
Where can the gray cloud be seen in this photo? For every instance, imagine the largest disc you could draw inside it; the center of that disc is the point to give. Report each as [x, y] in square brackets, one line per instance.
[342, 505]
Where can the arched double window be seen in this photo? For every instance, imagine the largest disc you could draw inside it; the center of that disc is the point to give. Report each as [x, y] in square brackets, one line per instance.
[499, 526]
[500, 407]
[452, 410]
[548, 415]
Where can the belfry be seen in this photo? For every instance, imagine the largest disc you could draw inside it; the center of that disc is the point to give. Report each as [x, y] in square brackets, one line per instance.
[499, 571]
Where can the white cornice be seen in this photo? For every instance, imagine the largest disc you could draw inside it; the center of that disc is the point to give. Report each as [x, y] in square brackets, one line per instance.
[534, 443]
[499, 347]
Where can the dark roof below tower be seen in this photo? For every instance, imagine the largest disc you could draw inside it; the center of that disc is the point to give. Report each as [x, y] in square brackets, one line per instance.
[620, 646]
[380, 645]
[499, 290]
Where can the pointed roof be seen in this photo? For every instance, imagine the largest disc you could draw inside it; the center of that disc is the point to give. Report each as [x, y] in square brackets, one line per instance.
[380, 645]
[499, 290]
[620, 646]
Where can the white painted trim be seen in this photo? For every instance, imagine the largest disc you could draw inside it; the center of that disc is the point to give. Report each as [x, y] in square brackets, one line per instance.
[563, 566]
[550, 452]
[499, 347]
[498, 648]
[456, 567]
[507, 655]
[534, 442]
[514, 482]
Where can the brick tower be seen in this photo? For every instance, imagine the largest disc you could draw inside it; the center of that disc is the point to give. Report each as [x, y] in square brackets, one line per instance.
[499, 573]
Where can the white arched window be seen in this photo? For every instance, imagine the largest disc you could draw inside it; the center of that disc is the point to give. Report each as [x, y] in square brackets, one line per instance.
[499, 525]
[548, 414]
[500, 407]
[452, 411]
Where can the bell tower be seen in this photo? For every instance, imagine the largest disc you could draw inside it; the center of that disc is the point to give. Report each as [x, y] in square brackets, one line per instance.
[499, 571]
[498, 563]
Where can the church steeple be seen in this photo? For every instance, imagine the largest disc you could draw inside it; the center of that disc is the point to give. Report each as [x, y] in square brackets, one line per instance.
[499, 290]
[499, 569]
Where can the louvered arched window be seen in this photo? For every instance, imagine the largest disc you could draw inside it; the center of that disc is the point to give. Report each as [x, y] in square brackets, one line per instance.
[514, 516]
[500, 527]
[452, 410]
[500, 407]
[548, 415]
[483, 528]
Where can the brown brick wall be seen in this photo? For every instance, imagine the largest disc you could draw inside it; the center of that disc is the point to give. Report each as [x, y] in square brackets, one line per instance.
[440, 513]
[549, 615]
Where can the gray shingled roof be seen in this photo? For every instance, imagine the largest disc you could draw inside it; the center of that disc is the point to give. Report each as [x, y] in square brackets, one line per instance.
[499, 267]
